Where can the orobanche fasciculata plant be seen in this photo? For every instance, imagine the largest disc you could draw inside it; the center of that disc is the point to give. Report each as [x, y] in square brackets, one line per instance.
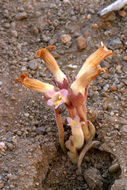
[73, 95]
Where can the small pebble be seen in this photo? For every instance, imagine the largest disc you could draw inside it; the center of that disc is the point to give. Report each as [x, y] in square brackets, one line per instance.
[125, 58]
[46, 38]
[123, 130]
[10, 146]
[33, 65]
[89, 16]
[113, 88]
[95, 26]
[72, 66]
[24, 69]
[19, 133]
[14, 33]
[7, 25]
[1, 184]
[114, 168]
[81, 43]
[14, 139]
[26, 114]
[2, 146]
[118, 68]
[106, 87]
[21, 16]
[115, 44]
[123, 13]
[65, 38]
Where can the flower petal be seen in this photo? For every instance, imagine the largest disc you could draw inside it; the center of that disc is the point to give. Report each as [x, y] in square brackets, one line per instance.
[50, 93]
[34, 84]
[64, 93]
[69, 120]
[94, 59]
[50, 102]
[77, 119]
[90, 70]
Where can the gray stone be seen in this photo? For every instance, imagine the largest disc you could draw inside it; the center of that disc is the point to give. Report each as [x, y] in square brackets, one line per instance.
[120, 184]
[93, 179]
[115, 44]
[33, 65]
[123, 130]
[114, 168]
[10, 146]
[7, 25]
[45, 38]
[106, 87]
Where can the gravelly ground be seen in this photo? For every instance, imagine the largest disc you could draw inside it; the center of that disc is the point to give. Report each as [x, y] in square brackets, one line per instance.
[32, 158]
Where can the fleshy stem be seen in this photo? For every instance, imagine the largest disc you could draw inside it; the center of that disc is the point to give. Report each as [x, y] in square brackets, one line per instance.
[71, 111]
[83, 117]
[60, 129]
[85, 126]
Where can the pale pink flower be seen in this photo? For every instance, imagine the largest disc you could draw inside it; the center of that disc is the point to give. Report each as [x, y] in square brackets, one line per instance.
[77, 132]
[74, 122]
[57, 98]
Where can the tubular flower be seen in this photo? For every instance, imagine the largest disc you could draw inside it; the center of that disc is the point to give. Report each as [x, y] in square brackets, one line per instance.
[80, 84]
[94, 59]
[57, 98]
[77, 133]
[51, 63]
[90, 70]
[34, 84]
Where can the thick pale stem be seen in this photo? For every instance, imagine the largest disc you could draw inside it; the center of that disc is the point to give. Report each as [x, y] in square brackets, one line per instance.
[86, 132]
[71, 111]
[85, 112]
[83, 117]
[60, 129]
[81, 113]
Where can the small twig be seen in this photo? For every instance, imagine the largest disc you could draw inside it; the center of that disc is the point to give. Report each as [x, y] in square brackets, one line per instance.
[60, 129]
[86, 148]
[117, 5]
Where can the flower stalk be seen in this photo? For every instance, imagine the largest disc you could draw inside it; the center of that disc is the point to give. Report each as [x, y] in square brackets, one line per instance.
[60, 129]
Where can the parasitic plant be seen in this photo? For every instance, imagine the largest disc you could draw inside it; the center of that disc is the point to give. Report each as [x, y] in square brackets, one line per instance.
[74, 96]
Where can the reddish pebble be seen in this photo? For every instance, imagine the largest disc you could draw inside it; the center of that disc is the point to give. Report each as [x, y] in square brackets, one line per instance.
[81, 43]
